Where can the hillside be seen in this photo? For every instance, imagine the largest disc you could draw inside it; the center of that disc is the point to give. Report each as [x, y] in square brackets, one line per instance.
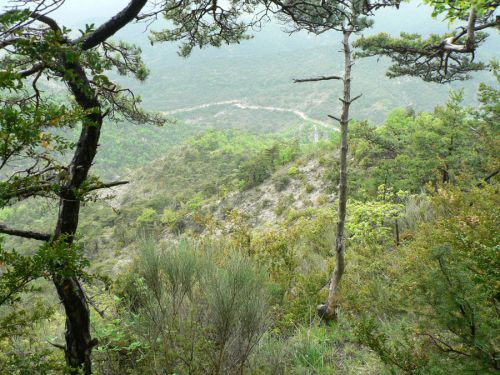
[272, 198]
[211, 215]
[249, 86]
[198, 187]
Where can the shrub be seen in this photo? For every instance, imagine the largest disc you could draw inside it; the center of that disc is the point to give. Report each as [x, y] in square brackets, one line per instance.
[439, 290]
[193, 315]
[314, 350]
[284, 203]
[322, 199]
[169, 217]
[148, 216]
[293, 171]
[281, 181]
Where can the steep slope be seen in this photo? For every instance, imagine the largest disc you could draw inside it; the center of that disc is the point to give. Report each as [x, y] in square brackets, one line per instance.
[198, 186]
[304, 183]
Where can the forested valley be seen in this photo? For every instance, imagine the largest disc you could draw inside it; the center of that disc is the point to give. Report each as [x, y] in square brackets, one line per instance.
[249, 187]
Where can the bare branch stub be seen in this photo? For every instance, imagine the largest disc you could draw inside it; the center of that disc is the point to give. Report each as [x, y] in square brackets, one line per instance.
[316, 79]
[356, 97]
[335, 118]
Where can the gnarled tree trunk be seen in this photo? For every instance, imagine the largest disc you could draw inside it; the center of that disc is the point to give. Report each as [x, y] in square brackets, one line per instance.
[78, 338]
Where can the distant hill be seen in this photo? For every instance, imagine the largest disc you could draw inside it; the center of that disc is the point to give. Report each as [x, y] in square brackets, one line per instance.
[249, 87]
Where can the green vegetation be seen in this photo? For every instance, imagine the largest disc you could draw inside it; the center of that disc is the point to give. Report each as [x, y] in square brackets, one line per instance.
[411, 150]
[418, 296]
[214, 256]
[445, 297]
[185, 313]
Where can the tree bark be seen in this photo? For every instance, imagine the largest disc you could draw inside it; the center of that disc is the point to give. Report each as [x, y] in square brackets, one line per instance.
[471, 35]
[24, 233]
[114, 24]
[79, 342]
[328, 311]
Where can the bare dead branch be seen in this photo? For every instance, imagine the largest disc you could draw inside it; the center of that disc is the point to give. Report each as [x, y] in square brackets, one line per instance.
[107, 185]
[315, 79]
[350, 101]
[356, 98]
[335, 118]
[56, 345]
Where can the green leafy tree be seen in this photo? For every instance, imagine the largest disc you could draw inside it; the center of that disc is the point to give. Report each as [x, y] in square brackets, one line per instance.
[440, 314]
[450, 145]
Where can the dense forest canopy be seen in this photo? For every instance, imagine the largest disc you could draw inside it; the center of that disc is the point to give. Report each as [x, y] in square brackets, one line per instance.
[249, 187]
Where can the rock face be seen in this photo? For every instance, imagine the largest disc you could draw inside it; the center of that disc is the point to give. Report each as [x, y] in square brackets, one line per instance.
[293, 187]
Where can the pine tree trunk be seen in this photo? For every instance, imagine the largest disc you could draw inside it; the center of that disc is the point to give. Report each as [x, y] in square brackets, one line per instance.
[328, 311]
[78, 338]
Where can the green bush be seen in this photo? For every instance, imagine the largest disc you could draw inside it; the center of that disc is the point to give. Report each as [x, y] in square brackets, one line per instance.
[293, 171]
[169, 217]
[430, 306]
[148, 216]
[193, 315]
[284, 203]
[314, 349]
[281, 181]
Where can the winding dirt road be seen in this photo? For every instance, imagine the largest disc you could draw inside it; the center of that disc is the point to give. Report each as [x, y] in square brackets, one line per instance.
[242, 105]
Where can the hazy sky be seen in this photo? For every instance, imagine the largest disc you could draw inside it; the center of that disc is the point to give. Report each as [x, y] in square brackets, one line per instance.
[73, 10]
[411, 16]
